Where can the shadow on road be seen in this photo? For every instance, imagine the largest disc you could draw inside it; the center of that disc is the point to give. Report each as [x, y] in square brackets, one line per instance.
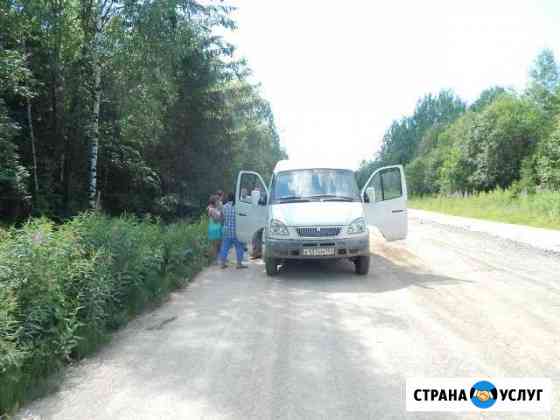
[337, 276]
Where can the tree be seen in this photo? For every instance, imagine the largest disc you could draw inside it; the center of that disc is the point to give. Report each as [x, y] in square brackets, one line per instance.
[486, 97]
[457, 150]
[548, 160]
[490, 146]
[415, 176]
[508, 131]
[545, 71]
[544, 84]
[15, 84]
[402, 140]
[417, 135]
[13, 175]
[95, 16]
[139, 101]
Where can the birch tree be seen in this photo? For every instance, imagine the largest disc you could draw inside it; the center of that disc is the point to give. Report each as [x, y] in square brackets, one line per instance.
[95, 16]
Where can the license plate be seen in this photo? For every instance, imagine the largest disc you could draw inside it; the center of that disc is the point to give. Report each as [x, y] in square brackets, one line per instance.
[318, 252]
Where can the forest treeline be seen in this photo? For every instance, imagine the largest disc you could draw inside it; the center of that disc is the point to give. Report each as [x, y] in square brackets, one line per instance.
[136, 106]
[503, 139]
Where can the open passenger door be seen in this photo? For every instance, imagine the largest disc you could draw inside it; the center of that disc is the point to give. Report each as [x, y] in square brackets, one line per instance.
[385, 197]
[251, 196]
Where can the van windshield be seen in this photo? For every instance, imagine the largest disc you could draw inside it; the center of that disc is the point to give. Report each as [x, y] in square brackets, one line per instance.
[315, 185]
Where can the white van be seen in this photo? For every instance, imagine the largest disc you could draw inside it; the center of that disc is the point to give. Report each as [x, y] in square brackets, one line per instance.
[315, 212]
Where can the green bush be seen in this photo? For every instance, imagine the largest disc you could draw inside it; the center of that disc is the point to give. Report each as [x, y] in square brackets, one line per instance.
[64, 289]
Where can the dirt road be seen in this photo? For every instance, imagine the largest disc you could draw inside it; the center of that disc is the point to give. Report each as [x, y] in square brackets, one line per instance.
[319, 342]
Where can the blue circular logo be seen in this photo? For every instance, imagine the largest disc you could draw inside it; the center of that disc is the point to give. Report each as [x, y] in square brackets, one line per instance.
[483, 394]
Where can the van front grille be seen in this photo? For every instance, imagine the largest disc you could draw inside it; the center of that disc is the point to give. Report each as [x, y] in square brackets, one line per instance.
[317, 232]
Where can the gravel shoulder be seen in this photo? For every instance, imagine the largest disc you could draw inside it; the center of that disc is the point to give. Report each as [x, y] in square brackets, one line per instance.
[318, 342]
[544, 239]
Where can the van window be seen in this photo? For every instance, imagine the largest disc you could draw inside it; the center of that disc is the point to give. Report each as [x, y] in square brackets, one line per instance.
[387, 184]
[315, 184]
[249, 183]
[392, 187]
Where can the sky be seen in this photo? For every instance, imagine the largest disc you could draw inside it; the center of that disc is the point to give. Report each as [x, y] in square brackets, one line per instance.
[338, 73]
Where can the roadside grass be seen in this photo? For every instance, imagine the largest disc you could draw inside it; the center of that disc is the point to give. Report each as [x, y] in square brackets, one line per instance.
[64, 289]
[540, 209]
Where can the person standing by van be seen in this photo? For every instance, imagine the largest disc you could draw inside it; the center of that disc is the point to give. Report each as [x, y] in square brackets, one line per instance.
[215, 219]
[229, 235]
[220, 203]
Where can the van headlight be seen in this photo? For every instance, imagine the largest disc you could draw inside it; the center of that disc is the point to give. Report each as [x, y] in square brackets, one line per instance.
[357, 226]
[277, 228]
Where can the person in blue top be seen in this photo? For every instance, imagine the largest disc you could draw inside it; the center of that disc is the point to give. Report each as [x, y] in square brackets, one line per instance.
[229, 237]
[214, 226]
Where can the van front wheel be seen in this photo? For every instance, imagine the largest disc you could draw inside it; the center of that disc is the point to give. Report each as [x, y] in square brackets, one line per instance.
[271, 265]
[361, 265]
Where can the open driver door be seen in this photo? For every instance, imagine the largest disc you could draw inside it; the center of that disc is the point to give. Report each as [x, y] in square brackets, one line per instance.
[251, 197]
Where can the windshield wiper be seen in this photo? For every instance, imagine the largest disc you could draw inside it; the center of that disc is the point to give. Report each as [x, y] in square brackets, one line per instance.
[332, 197]
[292, 198]
[340, 199]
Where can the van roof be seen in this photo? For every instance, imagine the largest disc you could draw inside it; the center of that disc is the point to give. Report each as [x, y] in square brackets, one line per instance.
[292, 165]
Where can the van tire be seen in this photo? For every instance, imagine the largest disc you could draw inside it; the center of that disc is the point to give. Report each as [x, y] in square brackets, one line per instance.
[257, 245]
[271, 266]
[361, 265]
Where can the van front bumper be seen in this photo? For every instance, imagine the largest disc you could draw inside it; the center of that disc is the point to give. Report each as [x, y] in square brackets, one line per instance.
[293, 248]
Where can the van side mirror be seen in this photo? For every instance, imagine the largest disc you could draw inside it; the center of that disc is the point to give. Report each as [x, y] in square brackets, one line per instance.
[255, 197]
[370, 195]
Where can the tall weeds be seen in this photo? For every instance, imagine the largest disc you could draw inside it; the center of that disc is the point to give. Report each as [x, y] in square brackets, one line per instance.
[63, 289]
